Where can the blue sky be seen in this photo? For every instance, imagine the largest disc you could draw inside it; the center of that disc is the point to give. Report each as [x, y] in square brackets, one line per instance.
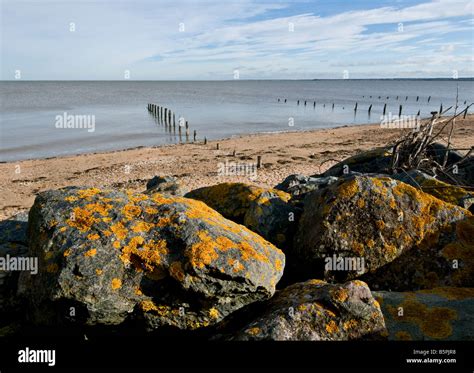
[174, 40]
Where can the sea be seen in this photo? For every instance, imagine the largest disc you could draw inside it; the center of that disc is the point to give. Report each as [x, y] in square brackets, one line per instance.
[42, 119]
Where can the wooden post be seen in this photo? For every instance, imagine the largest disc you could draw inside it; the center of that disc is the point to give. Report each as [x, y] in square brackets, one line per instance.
[169, 118]
[305, 103]
[355, 108]
[429, 99]
[406, 98]
[314, 104]
[194, 135]
[465, 113]
[333, 106]
[417, 98]
[174, 121]
[370, 108]
[384, 109]
[285, 100]
[187, 125]
[397, 98]
[441, 109]
[205, 140]
[298, 102]
[418, 114]
[166, 114]
[217, 146]
[259, 161]
[400, 111]
[233, 153]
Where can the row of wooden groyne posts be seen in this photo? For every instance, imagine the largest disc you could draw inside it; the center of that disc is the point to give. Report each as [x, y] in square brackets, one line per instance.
[400, 108]
[168, 118]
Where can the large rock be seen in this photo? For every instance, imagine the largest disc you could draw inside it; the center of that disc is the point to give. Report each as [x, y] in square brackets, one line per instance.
[443, 258]
[437, 314]
[318, 311]
[372, 161]
[264, 211]
[444, 191]
[360, 224]
[298, 185]
[165, 185]
[167, 260]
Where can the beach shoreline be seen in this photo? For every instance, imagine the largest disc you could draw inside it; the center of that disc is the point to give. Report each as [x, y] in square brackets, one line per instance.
[195, 164]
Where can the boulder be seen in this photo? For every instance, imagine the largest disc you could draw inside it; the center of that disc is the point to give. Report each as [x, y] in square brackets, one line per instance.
[439, 314]
[372, 161]
[362, 223]
[298, 185]
[165, 185]
[165, 261]
[444, 191]
[318, 311]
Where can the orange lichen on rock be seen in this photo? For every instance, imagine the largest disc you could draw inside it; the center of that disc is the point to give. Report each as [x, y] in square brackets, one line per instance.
[87, 193]
[119, 230]
[116, 283]
[142, 226]
[176, 271]
[331, 327]
[131, 211]
[93, 236]
[81, 219]
[91, 252]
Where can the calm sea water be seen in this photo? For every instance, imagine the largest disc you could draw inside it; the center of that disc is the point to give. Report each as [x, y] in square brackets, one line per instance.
[215, 109]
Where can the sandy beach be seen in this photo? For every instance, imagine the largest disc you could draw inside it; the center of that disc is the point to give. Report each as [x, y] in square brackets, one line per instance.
[197, 165]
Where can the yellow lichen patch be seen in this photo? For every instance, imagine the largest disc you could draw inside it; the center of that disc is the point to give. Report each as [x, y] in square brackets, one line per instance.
[148, 305]
[358, 248]
[214, 313]
[87, 193]
[71, 199]
[119, 230]
[361, 203]
[62, 229]
[278, 265]
[160, 199]
[176, 271]
[131, 211]
[151, 210]
[434, 322]
[148, 257]
[340, 295]
[98, 272]
[331, 327]
[370, 243]
[235, 264]
[350, 324]
[116, 244]
[348, 189]
[253, 331]
[136, 197]
[403, 336]
[138, 291]
[93, 236]
[142, 226]
[99, 207]
[116, 283]
[203, 252]
[81, 219]
[91, 252]
[380, 224]
[67, 252]
[107, 233]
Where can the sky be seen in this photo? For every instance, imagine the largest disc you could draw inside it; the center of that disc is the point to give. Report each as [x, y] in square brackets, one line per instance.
[243, 39]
